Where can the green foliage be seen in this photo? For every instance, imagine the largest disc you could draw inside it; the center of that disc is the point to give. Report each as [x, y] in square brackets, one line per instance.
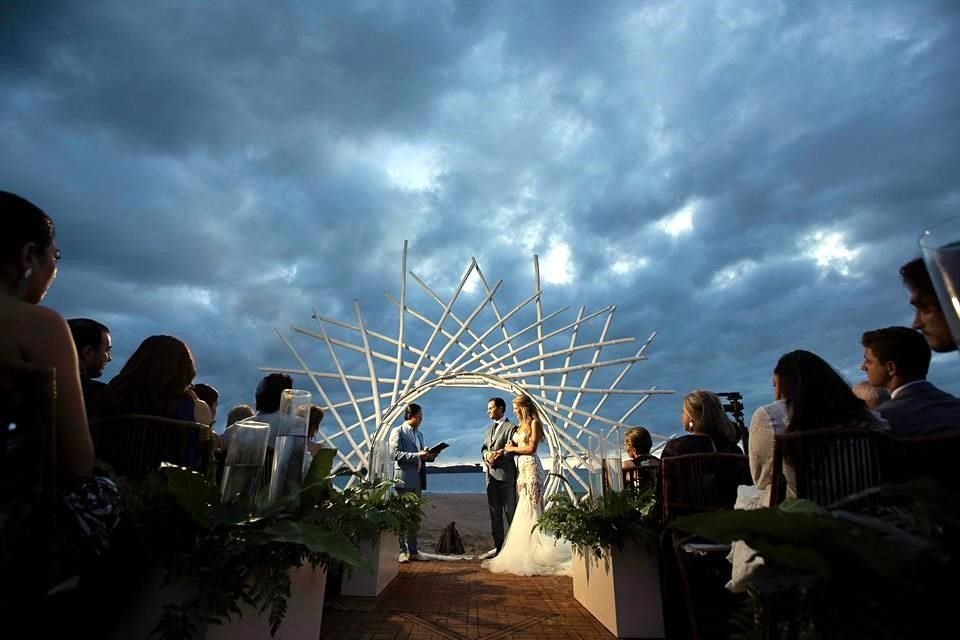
[376, 507]
[226, 557]
[600, 524]
[868, 567]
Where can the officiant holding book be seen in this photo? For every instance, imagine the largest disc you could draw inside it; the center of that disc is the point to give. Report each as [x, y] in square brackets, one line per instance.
[410, 459]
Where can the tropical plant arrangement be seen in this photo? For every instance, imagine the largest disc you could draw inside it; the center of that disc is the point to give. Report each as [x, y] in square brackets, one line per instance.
[224, 557]
[598, 524]
[870, 566]
[369, 508]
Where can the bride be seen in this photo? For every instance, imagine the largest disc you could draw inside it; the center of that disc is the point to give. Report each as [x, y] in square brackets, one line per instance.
[528, 551]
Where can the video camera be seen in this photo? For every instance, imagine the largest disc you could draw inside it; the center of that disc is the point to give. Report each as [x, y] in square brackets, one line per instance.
[735, 408]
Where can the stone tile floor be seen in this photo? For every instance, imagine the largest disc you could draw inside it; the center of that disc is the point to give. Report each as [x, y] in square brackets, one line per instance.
[461, 601]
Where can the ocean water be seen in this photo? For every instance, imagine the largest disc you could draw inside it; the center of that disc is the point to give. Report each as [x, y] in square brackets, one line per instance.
[470, 482]
[459, 482]
[456, 483]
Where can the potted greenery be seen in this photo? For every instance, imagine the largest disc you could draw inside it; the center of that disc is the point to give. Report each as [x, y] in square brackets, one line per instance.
[380, 515]
[615, 572]
[215, 566]
[870, 566]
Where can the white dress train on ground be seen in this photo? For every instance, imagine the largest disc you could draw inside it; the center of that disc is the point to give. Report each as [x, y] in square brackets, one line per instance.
[528, 551]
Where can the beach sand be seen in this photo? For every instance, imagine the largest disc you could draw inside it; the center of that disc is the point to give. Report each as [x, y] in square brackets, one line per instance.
[468, 510]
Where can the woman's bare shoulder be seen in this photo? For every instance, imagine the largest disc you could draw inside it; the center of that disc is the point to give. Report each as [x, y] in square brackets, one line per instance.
[25, 328]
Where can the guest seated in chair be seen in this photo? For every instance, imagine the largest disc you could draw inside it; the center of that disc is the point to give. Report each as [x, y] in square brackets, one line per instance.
[93, 343]
[871, 395]
[637, 444]
[808, 394]
[156, 381]
[710, 431]
[30, 333]
[210, 396]
[897, 359]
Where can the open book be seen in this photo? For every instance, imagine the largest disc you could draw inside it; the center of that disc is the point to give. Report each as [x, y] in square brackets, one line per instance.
[437, 448]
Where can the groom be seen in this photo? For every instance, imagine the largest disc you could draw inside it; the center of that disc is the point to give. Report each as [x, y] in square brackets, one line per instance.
[501, 472]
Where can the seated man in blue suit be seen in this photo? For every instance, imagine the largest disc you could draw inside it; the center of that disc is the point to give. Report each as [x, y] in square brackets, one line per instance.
[410, 458]
[897, 358]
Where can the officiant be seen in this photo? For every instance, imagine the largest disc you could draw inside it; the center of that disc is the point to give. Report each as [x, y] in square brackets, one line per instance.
[410, 459]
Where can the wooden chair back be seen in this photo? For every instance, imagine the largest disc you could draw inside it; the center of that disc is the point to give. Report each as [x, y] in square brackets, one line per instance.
[830, 464]
[701, 482]
[136, 444]
[28, 479]
[28, 399]
[641, 479]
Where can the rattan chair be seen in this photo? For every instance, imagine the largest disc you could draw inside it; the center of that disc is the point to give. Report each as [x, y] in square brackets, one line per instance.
[830, 464]
[28, 482]
[696, 483]
[641, 479]
[700, 482]
[135, 444]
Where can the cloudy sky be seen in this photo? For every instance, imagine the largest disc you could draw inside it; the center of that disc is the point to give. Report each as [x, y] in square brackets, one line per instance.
[743, 177]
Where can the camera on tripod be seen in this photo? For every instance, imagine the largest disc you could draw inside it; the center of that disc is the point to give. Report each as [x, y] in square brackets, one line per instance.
[735, 408]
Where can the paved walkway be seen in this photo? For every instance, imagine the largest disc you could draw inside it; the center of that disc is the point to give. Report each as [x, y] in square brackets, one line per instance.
[459, 600]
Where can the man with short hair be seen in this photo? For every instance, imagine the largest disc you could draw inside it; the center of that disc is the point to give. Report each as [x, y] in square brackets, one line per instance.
[267, 398]
[897, 358]
[94, 345]
[501, 473]
[928, 317]
[210, 395]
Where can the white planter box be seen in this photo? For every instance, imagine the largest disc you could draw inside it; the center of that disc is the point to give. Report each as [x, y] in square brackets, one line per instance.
[621, 589]
[384, 557]
[304, 611]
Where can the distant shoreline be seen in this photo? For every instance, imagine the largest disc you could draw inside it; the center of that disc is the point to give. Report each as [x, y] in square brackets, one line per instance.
[455, 468]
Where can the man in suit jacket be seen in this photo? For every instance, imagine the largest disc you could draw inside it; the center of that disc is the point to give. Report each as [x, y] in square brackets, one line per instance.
[93, 343]
[897, 358]
[501, 472]
[410, 459]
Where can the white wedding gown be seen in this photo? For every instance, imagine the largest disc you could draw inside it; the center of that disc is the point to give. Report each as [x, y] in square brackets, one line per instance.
[529, 552]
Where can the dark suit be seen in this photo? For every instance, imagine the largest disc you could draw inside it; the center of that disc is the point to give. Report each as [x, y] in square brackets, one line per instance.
[94, 392]
[920, 410]
[501, 480]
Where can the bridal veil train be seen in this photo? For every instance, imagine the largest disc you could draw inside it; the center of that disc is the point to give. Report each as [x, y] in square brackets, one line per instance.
[527, 551]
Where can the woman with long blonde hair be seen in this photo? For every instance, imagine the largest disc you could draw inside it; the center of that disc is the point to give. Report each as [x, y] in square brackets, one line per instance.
[709, 429]
[527, 551]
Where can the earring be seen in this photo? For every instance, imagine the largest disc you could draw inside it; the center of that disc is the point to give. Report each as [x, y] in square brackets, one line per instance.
[28, 273]
[690, 424]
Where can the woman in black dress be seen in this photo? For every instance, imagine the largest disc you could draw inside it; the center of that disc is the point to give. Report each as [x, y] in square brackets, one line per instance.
[709, 429]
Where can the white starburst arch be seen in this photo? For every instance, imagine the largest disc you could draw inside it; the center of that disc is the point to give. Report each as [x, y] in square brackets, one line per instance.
[467, 359]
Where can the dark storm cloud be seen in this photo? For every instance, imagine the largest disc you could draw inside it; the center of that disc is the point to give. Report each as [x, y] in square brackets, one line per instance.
[217, 171]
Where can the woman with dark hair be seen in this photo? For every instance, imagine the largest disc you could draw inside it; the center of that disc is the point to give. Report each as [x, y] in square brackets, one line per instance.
[37, 335]
[808, 394]
[156, 381]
